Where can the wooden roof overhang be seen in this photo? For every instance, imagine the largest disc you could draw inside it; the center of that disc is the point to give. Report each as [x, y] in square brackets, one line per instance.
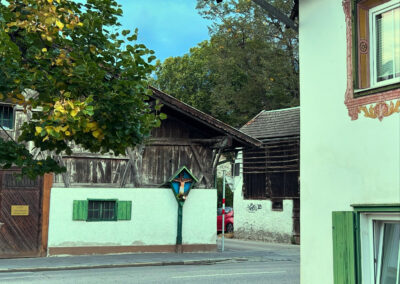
[234, 137]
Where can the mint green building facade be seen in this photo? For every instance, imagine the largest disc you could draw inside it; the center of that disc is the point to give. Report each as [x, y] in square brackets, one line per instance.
[350, 153]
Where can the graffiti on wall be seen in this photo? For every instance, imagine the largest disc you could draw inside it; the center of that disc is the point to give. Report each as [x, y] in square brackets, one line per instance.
[253, 207]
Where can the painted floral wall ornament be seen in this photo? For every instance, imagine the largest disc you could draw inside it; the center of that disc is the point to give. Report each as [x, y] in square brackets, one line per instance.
[181, 183]
[380, 110]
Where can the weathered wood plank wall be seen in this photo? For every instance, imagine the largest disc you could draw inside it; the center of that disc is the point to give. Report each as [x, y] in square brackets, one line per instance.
[173, 145]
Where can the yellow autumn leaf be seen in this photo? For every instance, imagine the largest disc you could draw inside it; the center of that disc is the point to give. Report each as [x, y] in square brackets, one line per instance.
[63, 129]
[21, 97]
[92, 125]
[74, 112]
[50, 1]
[59, 108]
[80, 24]
[46, 138]
[96, 133]
[70, 104]
[48, 128]
[59, 25]
[38, 130]
[67, 133]
[44, 49]
[59, 61]
[49, 20]
[49, 38]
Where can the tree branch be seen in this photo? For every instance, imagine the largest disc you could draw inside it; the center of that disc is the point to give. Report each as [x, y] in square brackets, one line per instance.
[275, 13]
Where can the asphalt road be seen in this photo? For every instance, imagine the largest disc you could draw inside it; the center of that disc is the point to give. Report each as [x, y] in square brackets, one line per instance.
[254, 272]
[264, 263]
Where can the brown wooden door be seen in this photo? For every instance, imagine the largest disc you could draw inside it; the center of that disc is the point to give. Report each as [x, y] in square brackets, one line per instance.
[20, 213]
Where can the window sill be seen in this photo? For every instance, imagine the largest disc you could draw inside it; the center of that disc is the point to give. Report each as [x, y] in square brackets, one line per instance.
[375, 90]
[101, 220]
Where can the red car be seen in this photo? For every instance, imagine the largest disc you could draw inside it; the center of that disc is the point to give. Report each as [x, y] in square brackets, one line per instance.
[228, 219]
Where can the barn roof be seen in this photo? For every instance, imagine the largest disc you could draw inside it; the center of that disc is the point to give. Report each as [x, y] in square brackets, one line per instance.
[240, 138]
[274, 124]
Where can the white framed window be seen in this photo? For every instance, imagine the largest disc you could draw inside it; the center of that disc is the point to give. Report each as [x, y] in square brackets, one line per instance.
[380, 248]
[7, 117]
[384, 22]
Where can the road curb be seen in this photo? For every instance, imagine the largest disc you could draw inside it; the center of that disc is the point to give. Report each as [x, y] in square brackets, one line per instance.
[119, 265]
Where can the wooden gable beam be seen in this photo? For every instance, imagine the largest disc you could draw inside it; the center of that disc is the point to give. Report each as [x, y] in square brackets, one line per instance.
[134, 164]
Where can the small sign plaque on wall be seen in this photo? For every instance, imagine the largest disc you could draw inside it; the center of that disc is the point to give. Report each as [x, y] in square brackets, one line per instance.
[19, 210]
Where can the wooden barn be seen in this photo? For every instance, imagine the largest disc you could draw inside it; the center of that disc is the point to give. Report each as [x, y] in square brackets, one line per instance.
[109, 204]
[268, 207]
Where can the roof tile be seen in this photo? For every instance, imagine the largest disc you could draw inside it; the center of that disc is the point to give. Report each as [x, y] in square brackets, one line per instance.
[274, 123]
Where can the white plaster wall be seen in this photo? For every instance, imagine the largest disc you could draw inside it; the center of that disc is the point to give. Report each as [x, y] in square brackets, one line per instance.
[255, 219]
[153, 222]
[261, 223]
[343, 162]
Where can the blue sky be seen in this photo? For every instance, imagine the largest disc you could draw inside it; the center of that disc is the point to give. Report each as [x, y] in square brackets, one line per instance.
[169, 27]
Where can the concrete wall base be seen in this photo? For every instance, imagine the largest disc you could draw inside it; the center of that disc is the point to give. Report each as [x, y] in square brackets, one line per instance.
[265, 236]
[129, 249]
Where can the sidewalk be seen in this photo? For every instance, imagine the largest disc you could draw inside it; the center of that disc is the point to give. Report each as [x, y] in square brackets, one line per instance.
[108, 261]
[133, 260]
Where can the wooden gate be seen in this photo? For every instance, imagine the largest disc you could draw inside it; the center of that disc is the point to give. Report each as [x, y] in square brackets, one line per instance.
[20, 215]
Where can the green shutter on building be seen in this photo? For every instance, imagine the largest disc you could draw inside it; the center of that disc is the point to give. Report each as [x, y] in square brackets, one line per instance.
[344, 254]
[124, 210]
[80, 210]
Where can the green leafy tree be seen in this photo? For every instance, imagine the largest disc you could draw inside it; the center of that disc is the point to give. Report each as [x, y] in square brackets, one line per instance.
[250, 63]
[68, 64]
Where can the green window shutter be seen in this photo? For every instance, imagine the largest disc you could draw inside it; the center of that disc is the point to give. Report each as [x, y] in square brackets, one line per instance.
[124, 210]
[344, 255]
[80, 210]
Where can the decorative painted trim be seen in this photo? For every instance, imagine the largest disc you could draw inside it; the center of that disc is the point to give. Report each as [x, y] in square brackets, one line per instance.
[129, 249]
[363, 46]
[380, 110]
[356, 105]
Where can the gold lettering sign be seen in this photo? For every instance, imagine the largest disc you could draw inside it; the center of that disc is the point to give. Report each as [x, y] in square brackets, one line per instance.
[19, 210]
